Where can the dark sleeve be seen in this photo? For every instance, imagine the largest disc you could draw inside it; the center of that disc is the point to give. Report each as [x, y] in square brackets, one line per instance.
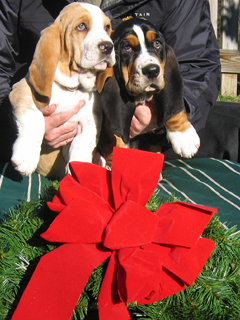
[20, 25]
[8, 46]
[188, 30]
[21, 22]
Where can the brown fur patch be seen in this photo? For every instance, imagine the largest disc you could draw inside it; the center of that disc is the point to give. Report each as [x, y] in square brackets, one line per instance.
[162, 72]
[178, 122]
[119, 142]
[133, 40]
[52, 163]
[107, 22]
[21, 97]
[43, 66]
[125, 72]
[102, 77]
[107, 149]
[151, 35]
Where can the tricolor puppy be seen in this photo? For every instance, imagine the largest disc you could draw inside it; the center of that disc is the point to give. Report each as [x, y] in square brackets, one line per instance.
[70, 56]
[146, 68]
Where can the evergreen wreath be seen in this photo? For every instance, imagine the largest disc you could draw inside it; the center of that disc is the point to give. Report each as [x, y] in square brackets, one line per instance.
[214, 295]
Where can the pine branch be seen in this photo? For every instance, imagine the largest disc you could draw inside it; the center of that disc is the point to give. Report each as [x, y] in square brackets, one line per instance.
[16, 252]
[214, 295]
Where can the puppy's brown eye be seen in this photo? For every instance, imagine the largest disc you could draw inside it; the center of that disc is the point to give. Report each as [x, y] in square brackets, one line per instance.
[128, 48]
[107, 28]
[81, 27]
[156, 44]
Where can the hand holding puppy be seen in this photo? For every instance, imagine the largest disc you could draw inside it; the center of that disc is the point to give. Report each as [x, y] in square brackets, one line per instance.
[59, 132]
[144, 119]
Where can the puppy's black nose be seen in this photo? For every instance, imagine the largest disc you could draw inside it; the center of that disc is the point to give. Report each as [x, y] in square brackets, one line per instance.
[151, 71]
[105, 47]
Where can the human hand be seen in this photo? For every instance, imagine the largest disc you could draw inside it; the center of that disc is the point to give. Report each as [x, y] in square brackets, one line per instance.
[144, 119]
[57, 132]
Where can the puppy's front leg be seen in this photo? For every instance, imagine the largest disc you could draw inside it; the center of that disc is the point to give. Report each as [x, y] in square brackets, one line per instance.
[27, 147]
[182, 135]
[84, 143]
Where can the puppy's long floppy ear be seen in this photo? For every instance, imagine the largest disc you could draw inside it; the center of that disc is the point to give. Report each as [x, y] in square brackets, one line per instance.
[102, 77]
[170, 98]
[44, 64]
[118, 112]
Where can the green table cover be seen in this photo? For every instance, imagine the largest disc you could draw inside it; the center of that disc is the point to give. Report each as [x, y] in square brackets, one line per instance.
[15, 188]
[209, 182]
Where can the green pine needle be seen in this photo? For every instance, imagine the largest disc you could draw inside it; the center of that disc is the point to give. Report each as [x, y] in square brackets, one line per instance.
[215, 295]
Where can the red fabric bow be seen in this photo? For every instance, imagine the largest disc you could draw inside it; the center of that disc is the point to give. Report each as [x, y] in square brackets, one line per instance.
[102, 214]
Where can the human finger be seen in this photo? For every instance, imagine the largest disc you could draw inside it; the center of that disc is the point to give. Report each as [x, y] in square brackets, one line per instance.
[61, 135]
[58, 128]
[56, 120]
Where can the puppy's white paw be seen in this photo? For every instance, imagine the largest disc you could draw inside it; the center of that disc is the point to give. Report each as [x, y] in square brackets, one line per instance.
[67, 169]
[25, 158]
[185, 143]
[98, 159]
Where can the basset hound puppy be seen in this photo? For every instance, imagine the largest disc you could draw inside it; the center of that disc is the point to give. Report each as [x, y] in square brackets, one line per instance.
[70, 56]
[146, 68]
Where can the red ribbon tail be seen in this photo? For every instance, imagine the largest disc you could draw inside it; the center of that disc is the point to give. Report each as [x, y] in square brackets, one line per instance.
[109, 304]
[58, 281]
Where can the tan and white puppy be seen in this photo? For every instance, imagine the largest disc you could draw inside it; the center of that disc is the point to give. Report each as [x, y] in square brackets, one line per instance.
[70, 56]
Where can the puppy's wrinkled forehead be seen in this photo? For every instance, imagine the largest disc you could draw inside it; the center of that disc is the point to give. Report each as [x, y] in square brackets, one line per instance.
[137, 36]
[75, 14]
[141, 37]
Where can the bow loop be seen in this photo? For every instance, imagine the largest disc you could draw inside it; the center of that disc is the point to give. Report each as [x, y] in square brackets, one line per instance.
[139, 274]
[177, 216]
[92, 177]
[129, 182]
[81, 221]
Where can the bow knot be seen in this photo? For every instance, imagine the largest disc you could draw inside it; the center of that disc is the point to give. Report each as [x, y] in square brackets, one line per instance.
[132, 225]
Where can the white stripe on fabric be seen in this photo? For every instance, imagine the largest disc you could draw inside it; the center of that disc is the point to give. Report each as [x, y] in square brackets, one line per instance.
[171, 185]
[165, 189]
[29, 188]
[226, 165]
[39, 186]
[209, 178]
[233, 163]
[211, 188]
[2, 174]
